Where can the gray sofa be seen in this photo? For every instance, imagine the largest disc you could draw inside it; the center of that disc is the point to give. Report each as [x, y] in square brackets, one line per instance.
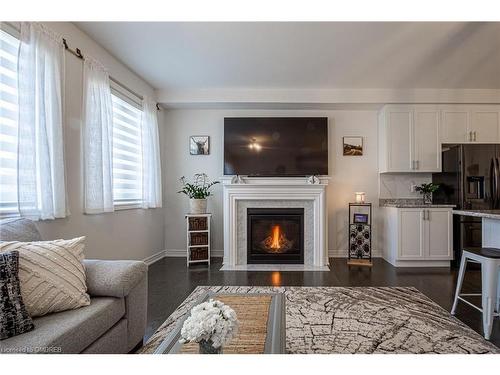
[115, 320]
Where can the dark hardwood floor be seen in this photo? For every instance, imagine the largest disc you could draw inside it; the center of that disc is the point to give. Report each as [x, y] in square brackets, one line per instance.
[170, 282]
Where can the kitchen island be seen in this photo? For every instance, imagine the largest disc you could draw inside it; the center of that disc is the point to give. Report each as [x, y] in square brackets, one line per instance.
[491, 225]
[490, 277]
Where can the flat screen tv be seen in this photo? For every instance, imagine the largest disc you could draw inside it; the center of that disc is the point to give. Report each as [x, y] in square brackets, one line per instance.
[275, 146]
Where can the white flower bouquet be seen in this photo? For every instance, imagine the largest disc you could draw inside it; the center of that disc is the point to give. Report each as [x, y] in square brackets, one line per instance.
[212, 323]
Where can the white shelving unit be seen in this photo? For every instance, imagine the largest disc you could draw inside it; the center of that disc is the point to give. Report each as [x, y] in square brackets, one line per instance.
[198, 238]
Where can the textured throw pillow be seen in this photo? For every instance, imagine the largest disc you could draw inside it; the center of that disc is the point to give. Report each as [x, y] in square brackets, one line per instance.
[52, 274]
[14, 319]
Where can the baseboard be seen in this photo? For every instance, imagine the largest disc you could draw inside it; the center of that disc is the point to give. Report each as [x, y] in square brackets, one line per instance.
[155, 257]
[343, 254]
[181, 253]
[421, 263]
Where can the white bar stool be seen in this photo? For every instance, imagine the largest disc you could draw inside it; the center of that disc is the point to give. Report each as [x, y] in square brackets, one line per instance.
[490, 280]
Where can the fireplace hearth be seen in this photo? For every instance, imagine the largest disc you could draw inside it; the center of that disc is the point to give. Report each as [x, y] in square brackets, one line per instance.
[275, 235]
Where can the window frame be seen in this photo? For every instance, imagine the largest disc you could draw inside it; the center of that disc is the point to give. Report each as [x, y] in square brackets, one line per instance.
[122, 93]
[13, 31]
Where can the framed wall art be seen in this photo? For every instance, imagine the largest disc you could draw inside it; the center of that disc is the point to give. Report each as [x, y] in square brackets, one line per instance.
[353, 146]
[199, 145]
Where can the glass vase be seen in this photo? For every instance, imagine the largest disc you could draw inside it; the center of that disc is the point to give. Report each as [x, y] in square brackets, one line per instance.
[427, 198]
[207, 347]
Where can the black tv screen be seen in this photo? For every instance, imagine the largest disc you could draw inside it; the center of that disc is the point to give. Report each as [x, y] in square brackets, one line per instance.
[276, 146]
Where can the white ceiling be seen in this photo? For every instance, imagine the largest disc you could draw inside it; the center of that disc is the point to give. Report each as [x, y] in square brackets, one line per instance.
[306, 55]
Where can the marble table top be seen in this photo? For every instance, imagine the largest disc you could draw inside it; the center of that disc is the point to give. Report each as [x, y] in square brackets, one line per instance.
[341, 320]
[488, 214]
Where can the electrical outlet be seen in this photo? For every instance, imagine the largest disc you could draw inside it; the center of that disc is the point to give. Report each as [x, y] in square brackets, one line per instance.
[412, 188]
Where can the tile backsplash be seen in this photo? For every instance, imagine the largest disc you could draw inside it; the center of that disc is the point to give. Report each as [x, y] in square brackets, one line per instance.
[397, 185]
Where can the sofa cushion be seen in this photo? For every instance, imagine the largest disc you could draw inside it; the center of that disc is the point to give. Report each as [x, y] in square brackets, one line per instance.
[18, 229]
[114, 341]
[69, 331]
[52, 274]
[14, 318]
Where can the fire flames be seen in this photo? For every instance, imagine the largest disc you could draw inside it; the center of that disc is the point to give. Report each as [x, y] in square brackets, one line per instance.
[277, 241]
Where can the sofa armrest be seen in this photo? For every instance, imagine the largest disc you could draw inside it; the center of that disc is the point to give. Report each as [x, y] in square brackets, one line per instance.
[113, 278]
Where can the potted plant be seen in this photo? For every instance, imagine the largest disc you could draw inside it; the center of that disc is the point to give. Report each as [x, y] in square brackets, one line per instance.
[212, 325]
[198, 191]
[426, 190]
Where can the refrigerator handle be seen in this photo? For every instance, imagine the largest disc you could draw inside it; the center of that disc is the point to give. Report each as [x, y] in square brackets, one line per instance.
[493, 181]
[497, 183]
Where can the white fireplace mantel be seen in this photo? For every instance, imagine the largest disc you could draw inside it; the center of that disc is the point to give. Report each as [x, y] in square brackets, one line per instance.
[275, 189]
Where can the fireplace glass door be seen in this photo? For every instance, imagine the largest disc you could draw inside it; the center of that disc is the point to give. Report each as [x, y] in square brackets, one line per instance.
[275, 235]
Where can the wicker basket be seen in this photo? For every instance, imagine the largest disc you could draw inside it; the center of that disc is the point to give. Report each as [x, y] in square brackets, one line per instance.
[198, 239]
[200, 253]
[198, 223]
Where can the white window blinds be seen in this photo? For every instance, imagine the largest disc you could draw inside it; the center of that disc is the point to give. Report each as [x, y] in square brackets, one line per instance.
[127, 152]
[9, 47]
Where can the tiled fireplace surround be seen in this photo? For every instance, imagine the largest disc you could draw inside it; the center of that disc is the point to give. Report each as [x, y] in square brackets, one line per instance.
[275, 192]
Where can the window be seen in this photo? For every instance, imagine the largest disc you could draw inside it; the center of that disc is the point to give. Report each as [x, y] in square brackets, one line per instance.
[9, 46]
[127, 151]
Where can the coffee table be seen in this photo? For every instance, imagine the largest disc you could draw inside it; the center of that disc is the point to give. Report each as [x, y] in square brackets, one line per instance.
[275, 338]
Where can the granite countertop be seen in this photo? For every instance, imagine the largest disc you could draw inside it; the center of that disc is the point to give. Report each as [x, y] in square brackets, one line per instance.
[410, 203]
[402, 205]
[488, 214]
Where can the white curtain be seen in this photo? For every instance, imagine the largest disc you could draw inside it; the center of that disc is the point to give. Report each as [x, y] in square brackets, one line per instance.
[41, 176]
[97, 138]
[151, 169]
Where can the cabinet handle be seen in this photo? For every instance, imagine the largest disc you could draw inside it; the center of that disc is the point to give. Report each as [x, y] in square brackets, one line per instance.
[427, 215]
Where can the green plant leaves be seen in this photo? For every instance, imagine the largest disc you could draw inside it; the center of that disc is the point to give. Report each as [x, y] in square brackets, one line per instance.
[199, 188]
[427, 188]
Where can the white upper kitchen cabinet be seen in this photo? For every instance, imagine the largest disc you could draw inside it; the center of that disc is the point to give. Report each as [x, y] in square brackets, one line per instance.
[409, 139]
[485, 125]
[470, 124]
[455, 125]
[396, 139]
[427, 143]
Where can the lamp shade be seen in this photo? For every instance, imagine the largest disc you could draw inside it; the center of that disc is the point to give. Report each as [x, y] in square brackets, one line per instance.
[360, 197]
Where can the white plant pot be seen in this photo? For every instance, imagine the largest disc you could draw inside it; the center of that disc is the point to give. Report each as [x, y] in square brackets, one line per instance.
[198, 206]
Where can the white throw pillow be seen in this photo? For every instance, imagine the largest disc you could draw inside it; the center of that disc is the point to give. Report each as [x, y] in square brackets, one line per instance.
[52, 274]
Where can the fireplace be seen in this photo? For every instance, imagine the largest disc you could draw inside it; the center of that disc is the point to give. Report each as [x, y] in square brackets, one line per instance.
[275, 235]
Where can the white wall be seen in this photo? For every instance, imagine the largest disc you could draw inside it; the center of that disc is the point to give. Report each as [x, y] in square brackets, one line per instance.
[349, 174]
[129, 234]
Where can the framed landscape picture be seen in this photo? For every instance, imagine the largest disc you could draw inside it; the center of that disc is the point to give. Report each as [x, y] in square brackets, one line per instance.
[199, 145]
[353, 146]
[360, 218]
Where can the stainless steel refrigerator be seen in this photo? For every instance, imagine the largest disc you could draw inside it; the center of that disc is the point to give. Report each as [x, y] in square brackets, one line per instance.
[470, 179]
